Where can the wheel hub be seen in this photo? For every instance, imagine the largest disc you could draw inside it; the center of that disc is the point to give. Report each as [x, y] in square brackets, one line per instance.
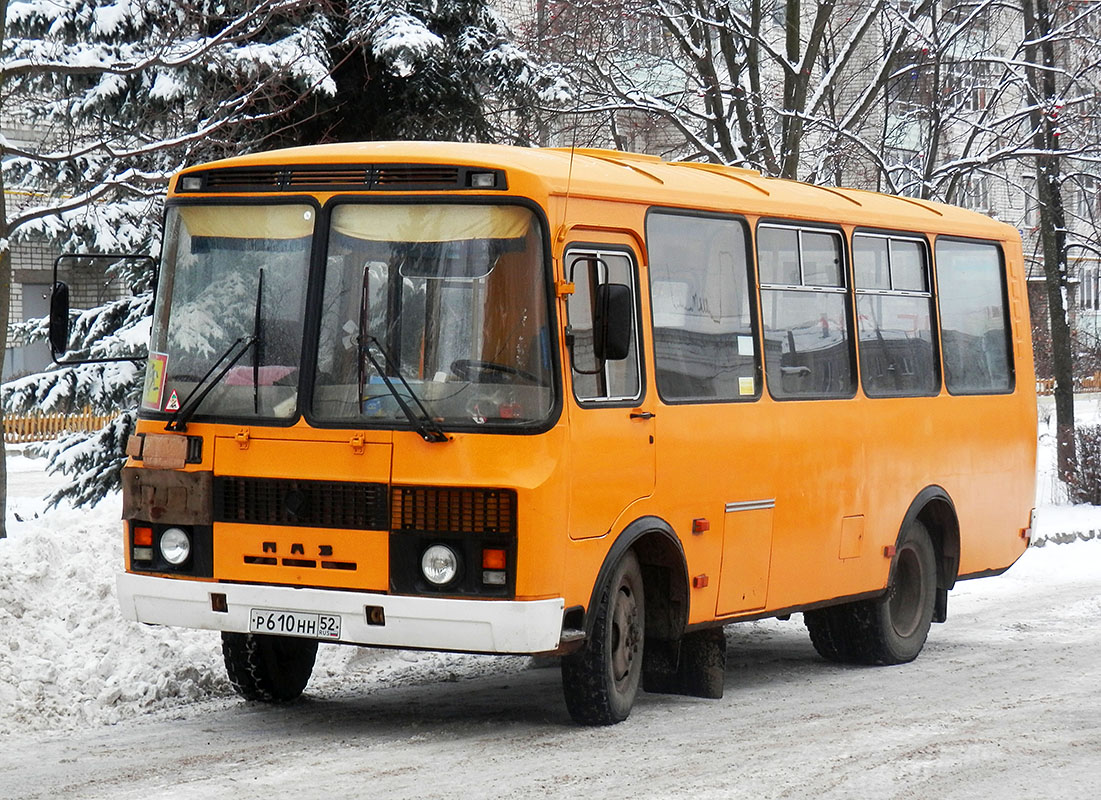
[626, 635]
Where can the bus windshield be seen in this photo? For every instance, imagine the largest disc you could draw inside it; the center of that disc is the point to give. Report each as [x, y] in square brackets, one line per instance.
[439, 305]
[233, 279]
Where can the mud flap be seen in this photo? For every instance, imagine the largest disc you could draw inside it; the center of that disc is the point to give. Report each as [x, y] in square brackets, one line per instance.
[694, 665]
[940, 606]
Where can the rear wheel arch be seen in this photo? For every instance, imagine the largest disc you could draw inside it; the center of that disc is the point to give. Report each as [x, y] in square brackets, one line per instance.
[933, 508]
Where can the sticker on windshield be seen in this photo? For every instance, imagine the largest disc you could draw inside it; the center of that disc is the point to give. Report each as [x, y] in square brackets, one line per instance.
[173, 403]
[154, 380]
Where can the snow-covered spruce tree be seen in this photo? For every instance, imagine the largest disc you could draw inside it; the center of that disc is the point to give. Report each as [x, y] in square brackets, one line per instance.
[118, 96]
[426, 69]
[127, 93]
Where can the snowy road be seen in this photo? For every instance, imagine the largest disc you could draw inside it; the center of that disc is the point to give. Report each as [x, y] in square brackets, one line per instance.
[1004, 702]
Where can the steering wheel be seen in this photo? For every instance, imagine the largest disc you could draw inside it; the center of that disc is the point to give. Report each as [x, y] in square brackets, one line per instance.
[463, 368]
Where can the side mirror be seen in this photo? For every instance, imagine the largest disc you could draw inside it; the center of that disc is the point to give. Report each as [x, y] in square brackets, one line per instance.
[612, 322]
[59, 320]
[95, 279]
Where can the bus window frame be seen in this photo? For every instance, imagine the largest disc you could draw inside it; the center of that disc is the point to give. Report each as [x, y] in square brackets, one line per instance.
[934, 323]
[752, 290]
[307, 360]
[846, 290]
[1010, 329]
[313, 334]
[598, 250]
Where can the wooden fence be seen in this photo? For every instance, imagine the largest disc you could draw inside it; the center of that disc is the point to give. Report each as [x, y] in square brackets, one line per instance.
[41, 427]
[1091, 383]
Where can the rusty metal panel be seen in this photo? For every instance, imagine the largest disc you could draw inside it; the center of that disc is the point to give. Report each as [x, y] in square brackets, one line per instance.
[185, 498]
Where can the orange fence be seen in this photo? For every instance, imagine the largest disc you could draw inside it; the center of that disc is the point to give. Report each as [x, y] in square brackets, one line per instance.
[1091, 383]
[40, 427]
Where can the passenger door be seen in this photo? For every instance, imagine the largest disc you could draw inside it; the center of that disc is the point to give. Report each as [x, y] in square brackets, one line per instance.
[611, 422]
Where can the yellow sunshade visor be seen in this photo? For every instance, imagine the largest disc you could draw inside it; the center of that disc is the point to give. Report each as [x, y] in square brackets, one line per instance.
[430, 223]
[249, 222]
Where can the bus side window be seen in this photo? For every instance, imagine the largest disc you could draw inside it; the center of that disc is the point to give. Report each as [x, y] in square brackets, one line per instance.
[974, 318]
[704, 342]
[595, 379]
[804, 313]
[894, 313]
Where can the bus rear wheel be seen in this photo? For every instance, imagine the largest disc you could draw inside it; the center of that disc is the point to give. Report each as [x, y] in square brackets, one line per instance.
[891, 629]
[601, 681]
[272, 669]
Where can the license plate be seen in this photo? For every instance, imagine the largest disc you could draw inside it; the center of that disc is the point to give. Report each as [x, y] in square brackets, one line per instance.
[294, 623]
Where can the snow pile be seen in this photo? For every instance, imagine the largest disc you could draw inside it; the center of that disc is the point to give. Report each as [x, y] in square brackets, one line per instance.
[68, 658]
[1065, 524]
[66, 655]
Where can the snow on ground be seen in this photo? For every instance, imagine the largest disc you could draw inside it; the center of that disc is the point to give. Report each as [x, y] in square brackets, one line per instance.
[68, 660]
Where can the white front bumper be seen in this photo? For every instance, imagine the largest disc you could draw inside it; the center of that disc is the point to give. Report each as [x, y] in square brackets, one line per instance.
[429, 623]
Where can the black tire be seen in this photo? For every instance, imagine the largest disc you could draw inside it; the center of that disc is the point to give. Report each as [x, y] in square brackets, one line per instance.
[601, 681]
[272, 669]
[891, 629]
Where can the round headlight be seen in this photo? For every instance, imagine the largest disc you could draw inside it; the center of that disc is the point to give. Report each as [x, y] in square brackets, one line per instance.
[439, 564]
[175, 546]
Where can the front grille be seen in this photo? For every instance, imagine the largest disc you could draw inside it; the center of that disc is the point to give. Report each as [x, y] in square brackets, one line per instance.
[355, 177]
[438, 509]
[311, 504]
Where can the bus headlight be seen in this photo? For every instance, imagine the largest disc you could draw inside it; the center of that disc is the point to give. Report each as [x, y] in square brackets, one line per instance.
[439, 564]
[175, 546]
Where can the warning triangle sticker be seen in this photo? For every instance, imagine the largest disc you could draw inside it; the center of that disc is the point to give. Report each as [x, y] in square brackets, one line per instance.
[173, 403]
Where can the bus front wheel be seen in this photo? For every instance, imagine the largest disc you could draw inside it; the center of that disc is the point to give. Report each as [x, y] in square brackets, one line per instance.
[273, 669]
[891, 629]
[601, 680]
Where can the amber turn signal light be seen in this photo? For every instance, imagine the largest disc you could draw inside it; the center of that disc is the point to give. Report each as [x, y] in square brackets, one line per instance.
[493, 559]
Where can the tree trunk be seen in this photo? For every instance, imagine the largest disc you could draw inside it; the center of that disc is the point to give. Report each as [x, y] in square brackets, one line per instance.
[1040, 57]
[5, 298]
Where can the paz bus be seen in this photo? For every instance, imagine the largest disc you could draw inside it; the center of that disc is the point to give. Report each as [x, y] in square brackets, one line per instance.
[572, 402]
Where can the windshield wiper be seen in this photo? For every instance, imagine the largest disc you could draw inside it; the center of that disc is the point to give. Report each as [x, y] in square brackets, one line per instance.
[256, 338]
[178, 421]
[423, 423]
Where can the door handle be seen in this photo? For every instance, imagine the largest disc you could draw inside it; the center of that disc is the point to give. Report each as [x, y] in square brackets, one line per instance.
[642, 415]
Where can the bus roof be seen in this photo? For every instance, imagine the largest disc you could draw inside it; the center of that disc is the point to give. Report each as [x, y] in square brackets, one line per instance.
[610, 174]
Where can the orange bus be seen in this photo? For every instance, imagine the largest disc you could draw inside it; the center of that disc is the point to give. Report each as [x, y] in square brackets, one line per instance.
[487, 399]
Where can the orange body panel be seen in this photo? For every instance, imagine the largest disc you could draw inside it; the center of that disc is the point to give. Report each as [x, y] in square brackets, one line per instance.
[800, 497]
[302, 556]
